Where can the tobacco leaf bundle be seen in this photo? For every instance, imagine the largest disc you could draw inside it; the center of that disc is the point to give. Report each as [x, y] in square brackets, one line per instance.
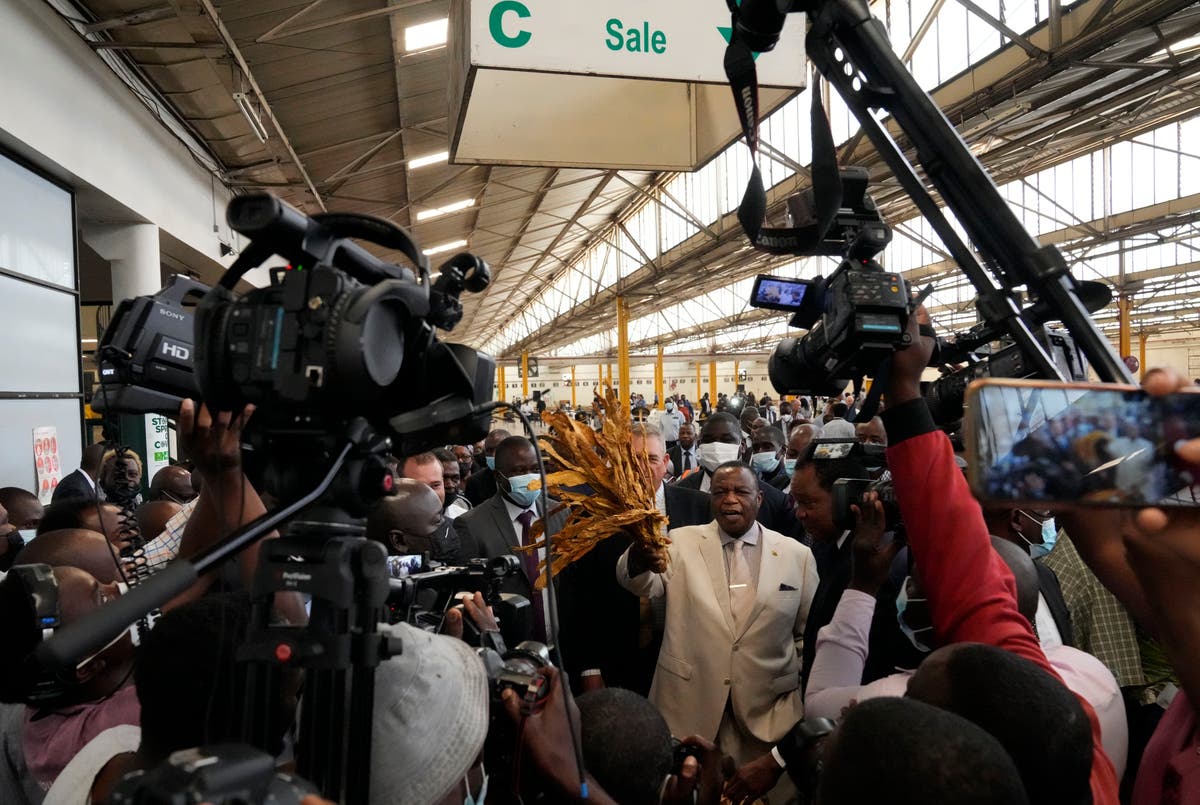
[606, 487]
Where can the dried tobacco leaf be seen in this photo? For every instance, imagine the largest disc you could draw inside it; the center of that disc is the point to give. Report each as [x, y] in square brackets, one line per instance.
[607, 488]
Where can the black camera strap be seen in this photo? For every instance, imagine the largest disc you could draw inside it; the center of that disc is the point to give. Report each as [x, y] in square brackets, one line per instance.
[827, 183]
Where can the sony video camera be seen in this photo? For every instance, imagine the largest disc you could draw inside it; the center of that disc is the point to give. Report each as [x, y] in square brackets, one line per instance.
[337, 334]
[856, 318]
[421, 599]
[224, 774]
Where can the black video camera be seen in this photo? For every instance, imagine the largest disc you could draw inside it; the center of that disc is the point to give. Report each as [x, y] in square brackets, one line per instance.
[516, 670]
[422, 599]
[847, 492]
[856, 318]
[224, 774]
[337, 334]
[146, 354]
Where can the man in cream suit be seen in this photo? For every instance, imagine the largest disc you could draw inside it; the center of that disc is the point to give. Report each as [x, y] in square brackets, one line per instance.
[737, 598]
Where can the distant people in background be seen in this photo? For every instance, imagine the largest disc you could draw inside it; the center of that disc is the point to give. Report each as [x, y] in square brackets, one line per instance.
[24, 509]
[121, 477]
[685, 458]
[706, 404]
[82, 482]
[172, 483]
[836, 425]
[482, 485]
[669, 421]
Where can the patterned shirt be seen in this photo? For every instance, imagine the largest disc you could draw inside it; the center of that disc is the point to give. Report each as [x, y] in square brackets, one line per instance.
[1102, 625]
[165, 546]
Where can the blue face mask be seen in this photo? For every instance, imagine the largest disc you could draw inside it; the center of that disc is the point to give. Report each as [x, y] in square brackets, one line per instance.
[519, 491]
[789, 465]
[764, 462]
[1049, 536]
[491, 462]
[902, 601]
[28, 534]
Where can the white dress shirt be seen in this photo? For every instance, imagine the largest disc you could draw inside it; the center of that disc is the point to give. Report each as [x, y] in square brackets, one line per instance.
[693, 453]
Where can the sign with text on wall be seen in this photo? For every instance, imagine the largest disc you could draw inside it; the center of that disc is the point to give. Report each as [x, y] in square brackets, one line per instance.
[607, 83]
[158, 445]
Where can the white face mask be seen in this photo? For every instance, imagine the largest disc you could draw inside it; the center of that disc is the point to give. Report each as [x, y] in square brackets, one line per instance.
[714, 454]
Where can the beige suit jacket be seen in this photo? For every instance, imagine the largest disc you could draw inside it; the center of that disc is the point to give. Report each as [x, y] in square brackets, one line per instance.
[704, 660]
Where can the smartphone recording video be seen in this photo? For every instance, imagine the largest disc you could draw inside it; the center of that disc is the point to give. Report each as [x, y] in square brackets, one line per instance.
[1079, 444]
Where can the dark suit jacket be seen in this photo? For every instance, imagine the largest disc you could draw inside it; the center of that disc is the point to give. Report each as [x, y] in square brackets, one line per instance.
[481, 486]
[774, 513]
[73, 487]
[778, 479]
[1051, 590]
[485, 532]
[676, 455]
[601, 621]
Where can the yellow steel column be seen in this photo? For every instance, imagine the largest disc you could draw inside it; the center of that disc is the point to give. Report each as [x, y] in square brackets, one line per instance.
[712, 383]
[525, 375]
[662, 380]
[600, 377]
[623, 348]
[609, 380]
[699, 390]
[1124, 304]
[737, 374]
[500, 383]
[573, 387]
[1142, 338]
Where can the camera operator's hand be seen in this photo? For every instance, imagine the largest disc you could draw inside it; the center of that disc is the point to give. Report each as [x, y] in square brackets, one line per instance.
[872, 557]
[548, 739]
[477, 610]
[753, 780]
[642, 560]
[904, 382]
[214, 444]
[700, 780]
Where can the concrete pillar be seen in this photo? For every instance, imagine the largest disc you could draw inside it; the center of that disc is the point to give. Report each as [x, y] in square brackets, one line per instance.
[132, 250]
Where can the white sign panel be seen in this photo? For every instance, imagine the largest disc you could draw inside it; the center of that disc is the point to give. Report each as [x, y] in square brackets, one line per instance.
[673, 40]
[158, 445]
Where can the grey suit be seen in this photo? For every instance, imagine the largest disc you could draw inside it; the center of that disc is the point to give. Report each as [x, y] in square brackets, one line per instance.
[486, 532]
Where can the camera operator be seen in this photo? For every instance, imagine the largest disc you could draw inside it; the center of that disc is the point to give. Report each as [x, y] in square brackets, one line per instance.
[971, 598]
[546, 750]
[729, 664]
[410, 521]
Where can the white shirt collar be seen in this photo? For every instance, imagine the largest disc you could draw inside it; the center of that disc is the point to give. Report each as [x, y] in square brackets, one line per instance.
[842, 539]
[749, 538]
[515, 511]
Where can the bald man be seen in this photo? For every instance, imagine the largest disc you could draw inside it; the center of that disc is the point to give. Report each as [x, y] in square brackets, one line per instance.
[74, 547]
[152, 517]
[410, 521]
[172, 483]
[797, 447]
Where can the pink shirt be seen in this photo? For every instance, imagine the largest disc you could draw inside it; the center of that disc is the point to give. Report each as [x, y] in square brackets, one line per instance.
[54, 738]
[842, 653]
[1170, 770]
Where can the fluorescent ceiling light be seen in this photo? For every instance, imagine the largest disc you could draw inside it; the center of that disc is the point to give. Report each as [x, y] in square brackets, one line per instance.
[446, 247]
[428, 159]
[437, 212]
[426, 36]
[88, 340]
[251, 115]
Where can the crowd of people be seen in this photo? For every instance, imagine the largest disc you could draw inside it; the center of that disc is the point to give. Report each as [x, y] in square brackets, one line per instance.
[772, 651]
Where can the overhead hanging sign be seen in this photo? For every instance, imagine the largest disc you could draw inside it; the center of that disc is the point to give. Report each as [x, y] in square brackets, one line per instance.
[676, 40]
[624, 84]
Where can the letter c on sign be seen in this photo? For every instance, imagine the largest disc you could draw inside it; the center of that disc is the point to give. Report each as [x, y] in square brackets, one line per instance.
[496, 23]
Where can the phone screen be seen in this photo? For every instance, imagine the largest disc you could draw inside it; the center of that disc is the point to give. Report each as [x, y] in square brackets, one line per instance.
[1075, 443]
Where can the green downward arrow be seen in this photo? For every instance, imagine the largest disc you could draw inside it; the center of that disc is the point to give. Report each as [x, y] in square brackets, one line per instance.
[727, 34]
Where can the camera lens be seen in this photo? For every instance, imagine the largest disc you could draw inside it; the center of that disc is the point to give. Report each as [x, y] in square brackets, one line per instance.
[383, 343]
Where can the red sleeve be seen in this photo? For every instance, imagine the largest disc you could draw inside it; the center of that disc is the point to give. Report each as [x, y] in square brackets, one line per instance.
[971, 592]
